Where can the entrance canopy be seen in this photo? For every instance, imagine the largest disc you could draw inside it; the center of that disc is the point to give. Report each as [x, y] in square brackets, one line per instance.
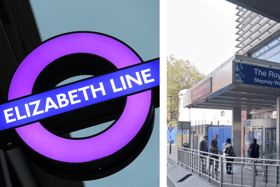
[240, 82]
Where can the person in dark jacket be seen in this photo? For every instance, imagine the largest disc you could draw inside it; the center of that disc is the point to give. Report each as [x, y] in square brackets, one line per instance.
[254, 151]
[229, 152]
[203, 147]
[215, 150]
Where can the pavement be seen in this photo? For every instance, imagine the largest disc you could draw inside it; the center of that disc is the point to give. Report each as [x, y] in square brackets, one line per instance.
[179, 176]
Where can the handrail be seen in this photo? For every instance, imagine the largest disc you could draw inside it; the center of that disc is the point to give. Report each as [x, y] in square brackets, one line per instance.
[264, 159]
[219, 168]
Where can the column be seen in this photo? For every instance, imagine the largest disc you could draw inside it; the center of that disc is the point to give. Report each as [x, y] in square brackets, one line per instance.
[244, 117]
[236, 130]
[277, 128]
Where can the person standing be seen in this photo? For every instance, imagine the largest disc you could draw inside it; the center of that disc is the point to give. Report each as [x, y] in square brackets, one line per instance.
[203, 147]
[254, 151]
[215, 150]
[229, 152]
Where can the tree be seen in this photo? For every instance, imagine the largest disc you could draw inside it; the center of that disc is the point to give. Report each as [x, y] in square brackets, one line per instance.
[181, 74]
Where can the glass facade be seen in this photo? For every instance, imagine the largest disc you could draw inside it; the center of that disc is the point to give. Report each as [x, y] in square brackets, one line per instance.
[270, 51]
[270, 143]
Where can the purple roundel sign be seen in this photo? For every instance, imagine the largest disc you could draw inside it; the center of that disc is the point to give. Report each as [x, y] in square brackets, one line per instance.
[102, 145]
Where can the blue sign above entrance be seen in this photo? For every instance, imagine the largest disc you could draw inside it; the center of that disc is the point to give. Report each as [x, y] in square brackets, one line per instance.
[257, 75]
[80, 94]
[247, 124]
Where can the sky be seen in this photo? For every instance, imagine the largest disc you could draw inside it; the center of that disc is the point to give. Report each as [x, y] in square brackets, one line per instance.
[201, 31]
[137, 24]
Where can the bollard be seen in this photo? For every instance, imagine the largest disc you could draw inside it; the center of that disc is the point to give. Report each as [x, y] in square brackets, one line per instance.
[170, 146]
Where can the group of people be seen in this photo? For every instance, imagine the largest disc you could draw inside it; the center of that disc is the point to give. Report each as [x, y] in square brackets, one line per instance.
[228, 151]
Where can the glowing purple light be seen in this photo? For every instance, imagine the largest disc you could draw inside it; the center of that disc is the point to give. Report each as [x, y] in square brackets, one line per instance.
[105, 144]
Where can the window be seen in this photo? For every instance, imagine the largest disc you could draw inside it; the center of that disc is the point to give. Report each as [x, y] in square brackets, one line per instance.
[270, 51]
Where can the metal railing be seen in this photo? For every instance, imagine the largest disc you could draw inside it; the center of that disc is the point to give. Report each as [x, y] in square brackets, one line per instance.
[231, 171]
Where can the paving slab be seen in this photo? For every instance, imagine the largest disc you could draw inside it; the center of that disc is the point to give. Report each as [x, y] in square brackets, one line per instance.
[176, 173]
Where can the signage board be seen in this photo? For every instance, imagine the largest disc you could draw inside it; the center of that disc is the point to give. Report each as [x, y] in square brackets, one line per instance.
[247, 124]
[202, 89]
[99, 155]
[183, 125]
[256, 75]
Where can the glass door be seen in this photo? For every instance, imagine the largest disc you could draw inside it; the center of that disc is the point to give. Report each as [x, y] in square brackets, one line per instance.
[270, 143]
[258, 134]
[248, 138]
[249, 135]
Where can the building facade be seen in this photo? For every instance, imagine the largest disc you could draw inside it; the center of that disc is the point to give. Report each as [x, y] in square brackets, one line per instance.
[247, 83]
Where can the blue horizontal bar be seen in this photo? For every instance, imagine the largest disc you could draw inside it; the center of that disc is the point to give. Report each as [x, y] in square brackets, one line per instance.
[80, 94]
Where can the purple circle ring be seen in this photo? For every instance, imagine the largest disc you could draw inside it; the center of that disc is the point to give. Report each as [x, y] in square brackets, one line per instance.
[97, 147]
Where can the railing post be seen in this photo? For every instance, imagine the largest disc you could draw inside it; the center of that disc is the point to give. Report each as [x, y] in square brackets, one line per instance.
[198, 162]
[182, 156]
[185, 156]
[221, 171]
[253, 173]
[181, 152]
[208, 167]
[265, 174]
[241, 172]
[192, 160]
[178, 155]
[187, 159]
[277, 175]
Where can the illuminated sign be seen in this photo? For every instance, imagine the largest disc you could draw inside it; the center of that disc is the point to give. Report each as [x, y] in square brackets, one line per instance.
[132, 81]
[81, 94]
[202, 89]
[256, 75]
